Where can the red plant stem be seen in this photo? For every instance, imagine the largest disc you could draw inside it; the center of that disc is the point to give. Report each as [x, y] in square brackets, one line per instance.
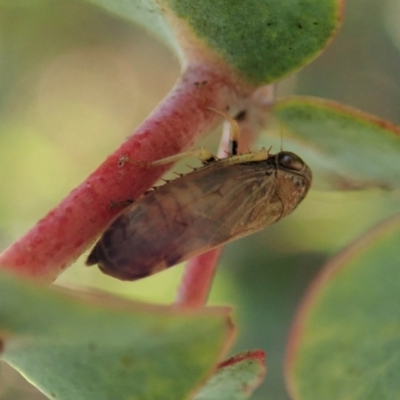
[197, 278]
[69, 229]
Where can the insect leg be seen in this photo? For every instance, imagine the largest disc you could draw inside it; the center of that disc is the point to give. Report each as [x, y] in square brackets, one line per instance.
[254, 156]
[234, 133]
[203, 154]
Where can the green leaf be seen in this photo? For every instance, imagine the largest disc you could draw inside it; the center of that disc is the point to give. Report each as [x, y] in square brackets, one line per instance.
[346, 343]
[87, 350]
[345, 148]
[146, 13]
[236, 378]
[263, 40]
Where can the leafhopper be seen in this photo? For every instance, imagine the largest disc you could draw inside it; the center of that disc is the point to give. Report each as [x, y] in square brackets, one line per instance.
[224, 200]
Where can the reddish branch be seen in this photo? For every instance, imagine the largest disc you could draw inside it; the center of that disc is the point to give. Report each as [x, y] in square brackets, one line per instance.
[197, 278]
[72, 226]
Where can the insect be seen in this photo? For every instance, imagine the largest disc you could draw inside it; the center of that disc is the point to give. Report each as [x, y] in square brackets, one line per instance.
[222, 201]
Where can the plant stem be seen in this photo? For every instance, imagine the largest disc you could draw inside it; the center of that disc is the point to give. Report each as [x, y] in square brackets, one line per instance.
[197, 279]
[72, 226]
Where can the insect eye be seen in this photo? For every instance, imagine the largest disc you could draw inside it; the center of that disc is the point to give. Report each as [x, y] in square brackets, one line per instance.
[290, 161]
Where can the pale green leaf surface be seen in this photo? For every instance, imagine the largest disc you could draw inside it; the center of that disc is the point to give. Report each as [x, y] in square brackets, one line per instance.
[346, 344]
[344, 147]
[83, 350]
[142, 12]
[235, 379]
[263, 40]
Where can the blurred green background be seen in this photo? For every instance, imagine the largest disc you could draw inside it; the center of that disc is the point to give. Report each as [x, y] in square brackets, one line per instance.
[75, 81]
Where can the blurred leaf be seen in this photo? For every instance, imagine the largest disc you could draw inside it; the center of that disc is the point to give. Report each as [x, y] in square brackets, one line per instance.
[326, 221]
[106, 348]
[236, 378]
[22, 3]
[346, 343]
[345, 148]
[262, 39]
[146, 13]
[270, 284]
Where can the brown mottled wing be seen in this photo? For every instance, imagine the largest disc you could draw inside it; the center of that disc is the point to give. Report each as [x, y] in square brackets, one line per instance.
[189, 216]
[224, 205]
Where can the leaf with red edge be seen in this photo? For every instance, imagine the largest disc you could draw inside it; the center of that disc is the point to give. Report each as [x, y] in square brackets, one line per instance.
[106, 348]
[344, 147]
[236, 378]
[345, 343]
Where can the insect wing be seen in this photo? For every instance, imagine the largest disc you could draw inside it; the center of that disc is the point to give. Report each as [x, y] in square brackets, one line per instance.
[199, 211]
[185, 217]
[218, 207]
